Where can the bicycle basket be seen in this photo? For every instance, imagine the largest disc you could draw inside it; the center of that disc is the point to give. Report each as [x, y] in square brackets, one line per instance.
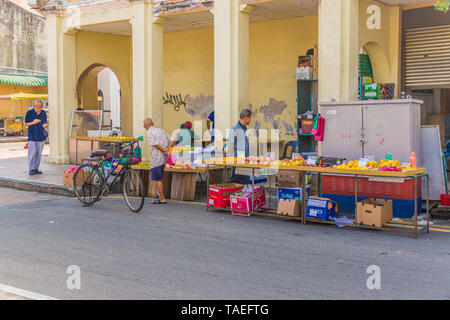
[127, 156]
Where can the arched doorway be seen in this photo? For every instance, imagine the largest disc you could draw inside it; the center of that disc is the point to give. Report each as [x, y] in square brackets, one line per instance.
[98, 88]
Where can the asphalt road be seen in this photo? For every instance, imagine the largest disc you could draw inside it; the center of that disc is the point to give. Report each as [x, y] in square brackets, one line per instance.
[180, 251]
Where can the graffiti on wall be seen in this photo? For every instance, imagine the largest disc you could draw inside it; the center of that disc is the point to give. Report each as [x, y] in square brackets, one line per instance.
[176, 100]
[202, 106]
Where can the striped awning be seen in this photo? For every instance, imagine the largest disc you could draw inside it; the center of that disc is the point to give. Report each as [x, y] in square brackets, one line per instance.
[23, 80]
[24, 96]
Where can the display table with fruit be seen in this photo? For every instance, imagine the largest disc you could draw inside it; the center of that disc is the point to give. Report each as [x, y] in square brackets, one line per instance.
[179, 179]
[385, 169]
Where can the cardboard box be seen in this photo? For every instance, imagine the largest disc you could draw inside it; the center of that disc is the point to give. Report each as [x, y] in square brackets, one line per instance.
[374, 212]
[289, 179]
[219, 194]
[289, 208]
[291, 193]
[372, 91]
[321, 208]
[247, 171]
[67, 179]
[244, 203]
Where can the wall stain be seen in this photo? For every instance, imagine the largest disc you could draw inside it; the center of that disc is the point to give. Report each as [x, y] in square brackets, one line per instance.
[272, 109]
[200, 106]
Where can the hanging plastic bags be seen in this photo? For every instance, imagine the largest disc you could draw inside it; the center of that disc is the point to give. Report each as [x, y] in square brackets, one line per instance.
[320, 129]
[314, 127]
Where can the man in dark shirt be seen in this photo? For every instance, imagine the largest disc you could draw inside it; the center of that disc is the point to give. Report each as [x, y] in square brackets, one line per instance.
[238, 143]
[36, 122]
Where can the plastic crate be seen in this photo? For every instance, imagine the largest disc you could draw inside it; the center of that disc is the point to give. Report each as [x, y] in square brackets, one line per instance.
[445, 200]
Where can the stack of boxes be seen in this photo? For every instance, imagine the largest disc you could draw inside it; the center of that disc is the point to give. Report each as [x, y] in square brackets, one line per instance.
[289, 194]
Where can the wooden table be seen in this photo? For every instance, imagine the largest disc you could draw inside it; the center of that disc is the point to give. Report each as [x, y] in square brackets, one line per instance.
[409, 174]
[179, 184]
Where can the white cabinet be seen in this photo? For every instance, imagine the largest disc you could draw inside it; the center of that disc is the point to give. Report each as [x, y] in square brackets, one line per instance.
[358, 129]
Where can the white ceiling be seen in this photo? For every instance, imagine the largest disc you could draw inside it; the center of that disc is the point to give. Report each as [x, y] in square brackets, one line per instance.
[281, 9]
[186, 21]
[119, 28]
[284, 9]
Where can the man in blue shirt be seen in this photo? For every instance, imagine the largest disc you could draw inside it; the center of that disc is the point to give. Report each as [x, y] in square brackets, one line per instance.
[36, 122]
[238, 142]
[209, 122]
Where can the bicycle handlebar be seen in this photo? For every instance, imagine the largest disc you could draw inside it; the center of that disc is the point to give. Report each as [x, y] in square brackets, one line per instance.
[120, 144]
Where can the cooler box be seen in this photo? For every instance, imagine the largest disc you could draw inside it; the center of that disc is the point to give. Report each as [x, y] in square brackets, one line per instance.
[244, 203]
[292, 193]
[321, 208]
[219, 194]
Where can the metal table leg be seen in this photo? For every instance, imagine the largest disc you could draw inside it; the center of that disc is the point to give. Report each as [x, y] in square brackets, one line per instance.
[356, 198]
[428, 197]
[319, 178]
[303, 213]
[207, 187]
[415, 207]
[253, 190]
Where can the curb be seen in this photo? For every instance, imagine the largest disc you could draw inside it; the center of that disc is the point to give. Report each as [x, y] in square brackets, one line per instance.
[36, 186]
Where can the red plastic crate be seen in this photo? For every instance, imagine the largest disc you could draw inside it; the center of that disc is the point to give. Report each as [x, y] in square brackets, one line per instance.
[345, 185]
[219, 194]
[445, 200]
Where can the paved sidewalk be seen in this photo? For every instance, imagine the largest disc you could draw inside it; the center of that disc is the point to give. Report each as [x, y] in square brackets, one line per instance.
[14, 171]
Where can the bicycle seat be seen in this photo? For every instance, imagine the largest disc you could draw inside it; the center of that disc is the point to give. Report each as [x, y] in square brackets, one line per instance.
[99, 153]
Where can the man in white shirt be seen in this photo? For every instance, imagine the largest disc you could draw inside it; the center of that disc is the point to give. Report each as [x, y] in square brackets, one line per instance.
[160, 142]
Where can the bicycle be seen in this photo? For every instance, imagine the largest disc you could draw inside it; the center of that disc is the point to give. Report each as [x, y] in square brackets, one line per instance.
[97, 180]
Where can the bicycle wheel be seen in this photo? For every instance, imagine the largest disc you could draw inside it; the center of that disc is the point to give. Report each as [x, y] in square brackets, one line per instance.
[133, 190]
[87, 184]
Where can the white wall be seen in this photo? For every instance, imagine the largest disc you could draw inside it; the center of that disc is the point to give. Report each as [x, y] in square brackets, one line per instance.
[109, 84]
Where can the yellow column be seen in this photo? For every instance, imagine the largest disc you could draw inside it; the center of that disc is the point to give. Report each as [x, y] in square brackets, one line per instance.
[338, 49]
[147, 47]
[62, 80]
[231, 60]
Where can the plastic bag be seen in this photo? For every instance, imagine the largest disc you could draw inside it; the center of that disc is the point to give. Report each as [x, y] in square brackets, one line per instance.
[172, 160]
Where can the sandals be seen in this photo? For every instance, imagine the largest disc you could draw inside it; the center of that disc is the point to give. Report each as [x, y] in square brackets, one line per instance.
[158, 201]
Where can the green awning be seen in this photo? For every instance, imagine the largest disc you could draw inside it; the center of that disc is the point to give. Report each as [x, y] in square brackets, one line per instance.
[23, 80]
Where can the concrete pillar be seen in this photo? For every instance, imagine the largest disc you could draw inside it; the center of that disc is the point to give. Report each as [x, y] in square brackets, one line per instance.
[62, 81]
[231, 61]
[338, 49]
[147, 55]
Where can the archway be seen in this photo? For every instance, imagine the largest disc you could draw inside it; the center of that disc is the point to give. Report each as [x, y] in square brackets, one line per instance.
[99, 88]
[379, 60]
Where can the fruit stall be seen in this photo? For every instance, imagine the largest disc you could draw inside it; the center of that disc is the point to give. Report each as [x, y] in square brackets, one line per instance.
[180, 179]
[81, 146]
[370, 200]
